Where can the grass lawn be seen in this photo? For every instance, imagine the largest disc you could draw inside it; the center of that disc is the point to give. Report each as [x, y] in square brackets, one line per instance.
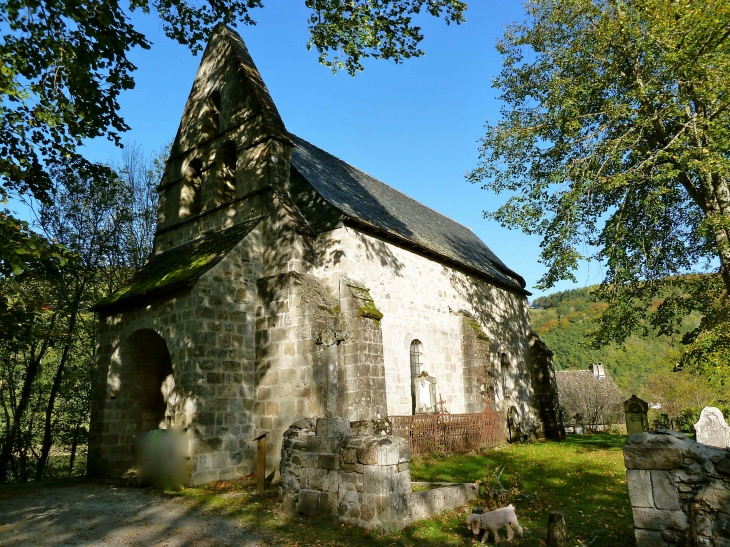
[584, 477]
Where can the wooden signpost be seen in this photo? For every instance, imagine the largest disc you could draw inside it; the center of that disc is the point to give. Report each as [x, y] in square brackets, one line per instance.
[261, 462]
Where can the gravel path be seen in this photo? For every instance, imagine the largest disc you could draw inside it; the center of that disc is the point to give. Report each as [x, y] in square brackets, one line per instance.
[96, 514]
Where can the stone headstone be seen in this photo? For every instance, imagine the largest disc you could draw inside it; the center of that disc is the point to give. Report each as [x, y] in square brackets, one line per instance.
[712, 429]
[425, 394]
[636, 411]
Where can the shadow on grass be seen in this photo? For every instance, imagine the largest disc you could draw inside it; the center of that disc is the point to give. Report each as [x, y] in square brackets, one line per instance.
[597, 441]
[582, 477]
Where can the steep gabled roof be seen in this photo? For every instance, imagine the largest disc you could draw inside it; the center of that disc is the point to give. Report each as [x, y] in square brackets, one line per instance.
[225, 44]
[373, 203]
[179, 267]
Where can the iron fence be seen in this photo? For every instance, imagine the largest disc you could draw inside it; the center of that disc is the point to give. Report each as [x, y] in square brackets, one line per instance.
[443, 432]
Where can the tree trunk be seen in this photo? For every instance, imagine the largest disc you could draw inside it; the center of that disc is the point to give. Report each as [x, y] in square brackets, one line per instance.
[12, 433]
[719, 216]
[48, 426]
[74, 445]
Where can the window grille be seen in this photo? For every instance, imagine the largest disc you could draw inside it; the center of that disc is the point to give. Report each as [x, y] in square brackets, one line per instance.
[416, 362]
[504, 367]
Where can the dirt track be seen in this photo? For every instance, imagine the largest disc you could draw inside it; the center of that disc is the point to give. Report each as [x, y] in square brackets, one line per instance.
[96, 514]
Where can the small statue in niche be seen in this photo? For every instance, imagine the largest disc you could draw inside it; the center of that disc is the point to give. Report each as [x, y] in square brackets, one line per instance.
[425, 393]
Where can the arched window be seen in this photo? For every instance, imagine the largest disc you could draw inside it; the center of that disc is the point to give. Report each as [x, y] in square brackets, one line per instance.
[416, 362]
[227, 171]
[190, 194]
[211, 113]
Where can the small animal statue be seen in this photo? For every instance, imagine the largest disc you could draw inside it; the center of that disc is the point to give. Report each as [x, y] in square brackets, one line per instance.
[492, 521]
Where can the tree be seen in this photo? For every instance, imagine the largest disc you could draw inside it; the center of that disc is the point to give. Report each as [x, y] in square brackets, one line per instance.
[682, 396]
[105, 221]
[615, 145]
[139, 173]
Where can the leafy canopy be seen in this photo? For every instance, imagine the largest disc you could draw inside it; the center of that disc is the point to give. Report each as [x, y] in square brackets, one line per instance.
[614, 144]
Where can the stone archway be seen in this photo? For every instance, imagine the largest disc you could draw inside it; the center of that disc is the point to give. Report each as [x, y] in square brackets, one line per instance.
[146, 380]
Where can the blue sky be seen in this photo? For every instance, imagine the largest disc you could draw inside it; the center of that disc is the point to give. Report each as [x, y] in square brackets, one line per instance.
[415, 126]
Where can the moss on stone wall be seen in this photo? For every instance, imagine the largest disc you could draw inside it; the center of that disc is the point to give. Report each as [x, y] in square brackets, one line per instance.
[370, 311]
[477, 328]
[367, 307]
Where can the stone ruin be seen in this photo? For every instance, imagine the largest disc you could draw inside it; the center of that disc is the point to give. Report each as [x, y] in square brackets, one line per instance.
[679, 489]
[329, 474]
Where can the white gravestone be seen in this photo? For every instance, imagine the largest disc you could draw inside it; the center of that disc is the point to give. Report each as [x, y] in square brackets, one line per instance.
[711, 429]
[425, 394]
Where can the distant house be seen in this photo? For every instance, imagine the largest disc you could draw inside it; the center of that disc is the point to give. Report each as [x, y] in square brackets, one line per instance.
[589, 398]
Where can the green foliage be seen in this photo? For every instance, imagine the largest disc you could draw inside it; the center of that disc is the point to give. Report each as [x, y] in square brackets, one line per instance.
[569, 319]
[381, 29]
[46, 367]
[614, 145]
[497, 489]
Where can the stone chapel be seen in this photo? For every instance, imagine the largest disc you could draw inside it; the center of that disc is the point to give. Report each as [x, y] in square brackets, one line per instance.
[285, 283]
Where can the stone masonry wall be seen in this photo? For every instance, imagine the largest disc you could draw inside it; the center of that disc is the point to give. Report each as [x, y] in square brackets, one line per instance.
[679, 489]
[479, 376]
[546, 388]
[208, 332]
[293, 355]
[423, 299]
[361, 361]
[362, 480]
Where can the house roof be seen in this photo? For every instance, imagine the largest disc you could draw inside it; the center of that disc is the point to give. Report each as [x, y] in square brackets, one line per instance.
[373, 203]
[179, 267]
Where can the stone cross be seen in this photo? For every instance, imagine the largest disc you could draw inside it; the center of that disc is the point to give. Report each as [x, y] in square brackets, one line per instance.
[711, 429]
[636, 412]
[425, 394]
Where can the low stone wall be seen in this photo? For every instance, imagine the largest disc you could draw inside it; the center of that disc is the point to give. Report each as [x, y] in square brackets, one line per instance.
[428, 503]
[364, 480]
[679, 489]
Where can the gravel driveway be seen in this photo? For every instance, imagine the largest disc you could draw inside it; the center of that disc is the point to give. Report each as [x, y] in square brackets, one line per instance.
[98, 514]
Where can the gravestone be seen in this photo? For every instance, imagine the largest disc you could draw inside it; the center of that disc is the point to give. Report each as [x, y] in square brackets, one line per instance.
[711, 429]
[425, 394]
[636, 411]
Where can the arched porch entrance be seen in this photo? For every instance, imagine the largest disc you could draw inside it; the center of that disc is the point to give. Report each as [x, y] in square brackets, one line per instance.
[142, 384]
[146, 379]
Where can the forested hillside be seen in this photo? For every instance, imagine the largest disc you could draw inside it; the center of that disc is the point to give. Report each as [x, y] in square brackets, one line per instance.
[564, 320]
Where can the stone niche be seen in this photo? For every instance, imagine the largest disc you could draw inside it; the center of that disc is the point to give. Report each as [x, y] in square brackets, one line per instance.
[679, 489]
[363, 480]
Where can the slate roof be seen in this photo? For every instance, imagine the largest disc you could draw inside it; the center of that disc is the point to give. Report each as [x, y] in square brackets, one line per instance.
[179, 267]
[373, 203]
